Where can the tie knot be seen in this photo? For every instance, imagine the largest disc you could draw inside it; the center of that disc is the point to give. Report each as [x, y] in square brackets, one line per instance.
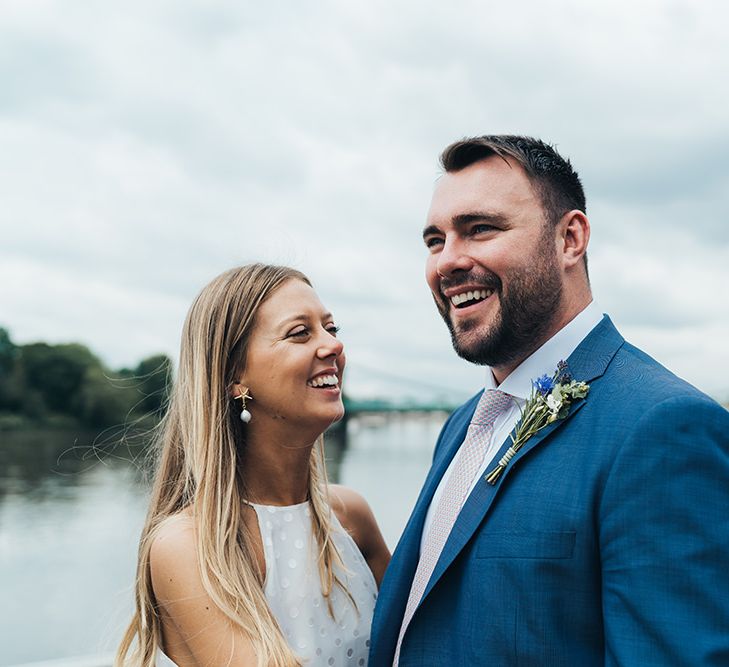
[492, 403]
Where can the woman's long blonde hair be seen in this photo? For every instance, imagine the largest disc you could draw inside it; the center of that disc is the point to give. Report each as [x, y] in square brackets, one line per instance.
[199, 467]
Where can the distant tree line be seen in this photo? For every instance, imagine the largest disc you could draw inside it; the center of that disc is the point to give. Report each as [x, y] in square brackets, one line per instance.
[44, 385]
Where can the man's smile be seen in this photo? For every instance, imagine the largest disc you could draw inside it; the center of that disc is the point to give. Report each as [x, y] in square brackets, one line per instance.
[469, 297]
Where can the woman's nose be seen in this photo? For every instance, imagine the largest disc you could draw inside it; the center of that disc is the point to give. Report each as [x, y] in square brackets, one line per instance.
[330, 346]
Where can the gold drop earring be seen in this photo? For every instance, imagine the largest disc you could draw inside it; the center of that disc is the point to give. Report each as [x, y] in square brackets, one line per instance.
[245, 415]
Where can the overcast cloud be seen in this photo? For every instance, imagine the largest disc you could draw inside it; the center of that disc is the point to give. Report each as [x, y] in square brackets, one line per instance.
[146, 147]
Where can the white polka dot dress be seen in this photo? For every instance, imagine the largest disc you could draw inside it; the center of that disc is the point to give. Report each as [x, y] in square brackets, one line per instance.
[293, 589]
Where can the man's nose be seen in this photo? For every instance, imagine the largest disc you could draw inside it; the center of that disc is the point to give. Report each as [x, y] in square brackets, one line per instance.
[452, 258]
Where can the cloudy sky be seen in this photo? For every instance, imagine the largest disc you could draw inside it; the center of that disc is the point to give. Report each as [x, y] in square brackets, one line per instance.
[147, 146]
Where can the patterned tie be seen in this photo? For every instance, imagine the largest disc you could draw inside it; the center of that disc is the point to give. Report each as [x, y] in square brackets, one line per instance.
[470, 458]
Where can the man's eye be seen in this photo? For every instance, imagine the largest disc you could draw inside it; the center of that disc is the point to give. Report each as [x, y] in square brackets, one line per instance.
[481, 229]
[433, 242]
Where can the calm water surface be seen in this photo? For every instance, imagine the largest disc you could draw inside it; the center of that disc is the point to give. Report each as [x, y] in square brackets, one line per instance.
[70, 522]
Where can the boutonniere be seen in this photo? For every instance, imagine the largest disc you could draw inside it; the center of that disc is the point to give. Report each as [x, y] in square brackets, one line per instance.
[549, 401]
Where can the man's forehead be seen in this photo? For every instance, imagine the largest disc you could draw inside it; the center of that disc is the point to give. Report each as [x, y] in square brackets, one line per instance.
[493, 181]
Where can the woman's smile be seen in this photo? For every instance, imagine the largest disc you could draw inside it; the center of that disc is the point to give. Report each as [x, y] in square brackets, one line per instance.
[295, 360]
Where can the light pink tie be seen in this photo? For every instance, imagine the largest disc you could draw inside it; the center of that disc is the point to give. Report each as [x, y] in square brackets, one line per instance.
[470, 458]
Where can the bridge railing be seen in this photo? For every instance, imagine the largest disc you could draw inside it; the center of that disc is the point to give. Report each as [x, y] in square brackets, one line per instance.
[105, 660]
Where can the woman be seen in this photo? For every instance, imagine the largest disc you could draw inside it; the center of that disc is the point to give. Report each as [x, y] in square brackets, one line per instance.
[248, 557]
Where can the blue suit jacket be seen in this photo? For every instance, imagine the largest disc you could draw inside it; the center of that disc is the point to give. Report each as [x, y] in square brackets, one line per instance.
[605, 541]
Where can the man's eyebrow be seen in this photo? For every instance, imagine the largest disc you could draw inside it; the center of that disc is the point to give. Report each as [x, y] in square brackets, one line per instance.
[431, 229]
[479, 216]
[468, 218]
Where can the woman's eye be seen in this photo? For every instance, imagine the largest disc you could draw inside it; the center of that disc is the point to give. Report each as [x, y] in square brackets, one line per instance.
[298, 333]
[333, 329]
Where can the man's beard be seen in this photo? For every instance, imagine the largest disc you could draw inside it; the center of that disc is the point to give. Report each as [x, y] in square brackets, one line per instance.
[527, 310]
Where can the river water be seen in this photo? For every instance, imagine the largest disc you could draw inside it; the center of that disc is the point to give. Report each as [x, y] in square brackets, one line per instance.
[70, 519]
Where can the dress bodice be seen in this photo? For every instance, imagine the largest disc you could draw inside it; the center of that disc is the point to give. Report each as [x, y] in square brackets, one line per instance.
[293, 589]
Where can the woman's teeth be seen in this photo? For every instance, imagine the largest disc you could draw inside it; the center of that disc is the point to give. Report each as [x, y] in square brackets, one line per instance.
[465, 297]
[324, 381]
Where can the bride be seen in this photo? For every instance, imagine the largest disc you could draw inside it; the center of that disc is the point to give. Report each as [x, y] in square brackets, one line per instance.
[248, 556]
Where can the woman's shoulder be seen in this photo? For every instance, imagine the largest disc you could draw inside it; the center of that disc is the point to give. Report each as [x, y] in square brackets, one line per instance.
[357, 518]
[195, 624]
[351, 508]
[173, 532]
[173, 553]
[354, 513]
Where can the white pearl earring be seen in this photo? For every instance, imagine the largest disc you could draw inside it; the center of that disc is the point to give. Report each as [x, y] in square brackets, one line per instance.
[245, 415]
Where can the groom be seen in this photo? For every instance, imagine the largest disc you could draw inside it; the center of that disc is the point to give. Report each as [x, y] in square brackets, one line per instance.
[601, 537]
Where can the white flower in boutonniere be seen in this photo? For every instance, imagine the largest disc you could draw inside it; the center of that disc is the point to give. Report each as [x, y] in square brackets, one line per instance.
[554, 404]
[549, 401]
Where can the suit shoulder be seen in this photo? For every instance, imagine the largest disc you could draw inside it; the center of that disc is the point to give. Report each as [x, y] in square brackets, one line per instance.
[644, 379]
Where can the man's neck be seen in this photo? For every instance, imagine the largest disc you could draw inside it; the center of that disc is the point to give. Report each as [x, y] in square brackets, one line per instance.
[561, 320]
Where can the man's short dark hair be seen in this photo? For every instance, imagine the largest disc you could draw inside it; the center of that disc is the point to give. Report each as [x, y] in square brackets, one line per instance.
[556, 183]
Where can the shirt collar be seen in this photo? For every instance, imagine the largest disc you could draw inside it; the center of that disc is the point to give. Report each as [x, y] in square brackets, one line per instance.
[544, 360]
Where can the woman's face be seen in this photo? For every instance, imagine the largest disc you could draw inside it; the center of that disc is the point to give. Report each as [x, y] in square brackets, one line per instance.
[295, 361]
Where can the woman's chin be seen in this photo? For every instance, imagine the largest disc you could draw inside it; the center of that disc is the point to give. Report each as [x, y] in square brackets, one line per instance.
[332, 416]
[338, 418]
[317, 423]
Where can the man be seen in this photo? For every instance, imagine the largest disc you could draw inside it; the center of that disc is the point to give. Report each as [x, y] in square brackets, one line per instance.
[599, 537]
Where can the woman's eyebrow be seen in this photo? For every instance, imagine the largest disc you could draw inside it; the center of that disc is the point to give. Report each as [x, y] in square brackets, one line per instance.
[304, 316]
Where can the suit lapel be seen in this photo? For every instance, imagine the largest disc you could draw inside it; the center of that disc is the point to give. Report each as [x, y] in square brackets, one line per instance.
[452, 440]
[392, 599]
[588, 362]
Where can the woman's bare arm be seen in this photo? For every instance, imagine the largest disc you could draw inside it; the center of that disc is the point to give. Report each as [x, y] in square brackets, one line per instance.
[196, 632]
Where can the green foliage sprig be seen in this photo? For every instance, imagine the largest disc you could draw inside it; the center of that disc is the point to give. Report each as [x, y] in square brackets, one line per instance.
[550, 400]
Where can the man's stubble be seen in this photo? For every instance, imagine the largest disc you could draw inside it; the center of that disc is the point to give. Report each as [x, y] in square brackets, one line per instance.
[527, 307]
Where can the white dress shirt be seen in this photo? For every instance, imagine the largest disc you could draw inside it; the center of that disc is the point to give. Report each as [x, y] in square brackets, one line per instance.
[519, 385]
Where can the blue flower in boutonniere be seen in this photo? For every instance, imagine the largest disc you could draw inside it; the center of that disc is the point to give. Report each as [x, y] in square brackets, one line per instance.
[549, 401]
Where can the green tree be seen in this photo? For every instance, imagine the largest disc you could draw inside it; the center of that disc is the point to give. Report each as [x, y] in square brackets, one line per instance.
[153, 376]
[11, 380]
[101, 401]
[67, 384]
[57, 373]
[8, 352]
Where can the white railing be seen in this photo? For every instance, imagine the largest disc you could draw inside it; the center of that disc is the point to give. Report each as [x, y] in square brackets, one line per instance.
[84, 661]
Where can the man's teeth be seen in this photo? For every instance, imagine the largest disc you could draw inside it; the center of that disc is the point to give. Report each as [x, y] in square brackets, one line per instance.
[478, 295]
[324, 380]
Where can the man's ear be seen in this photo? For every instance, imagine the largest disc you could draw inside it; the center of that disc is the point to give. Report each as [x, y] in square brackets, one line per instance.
[573, 237]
